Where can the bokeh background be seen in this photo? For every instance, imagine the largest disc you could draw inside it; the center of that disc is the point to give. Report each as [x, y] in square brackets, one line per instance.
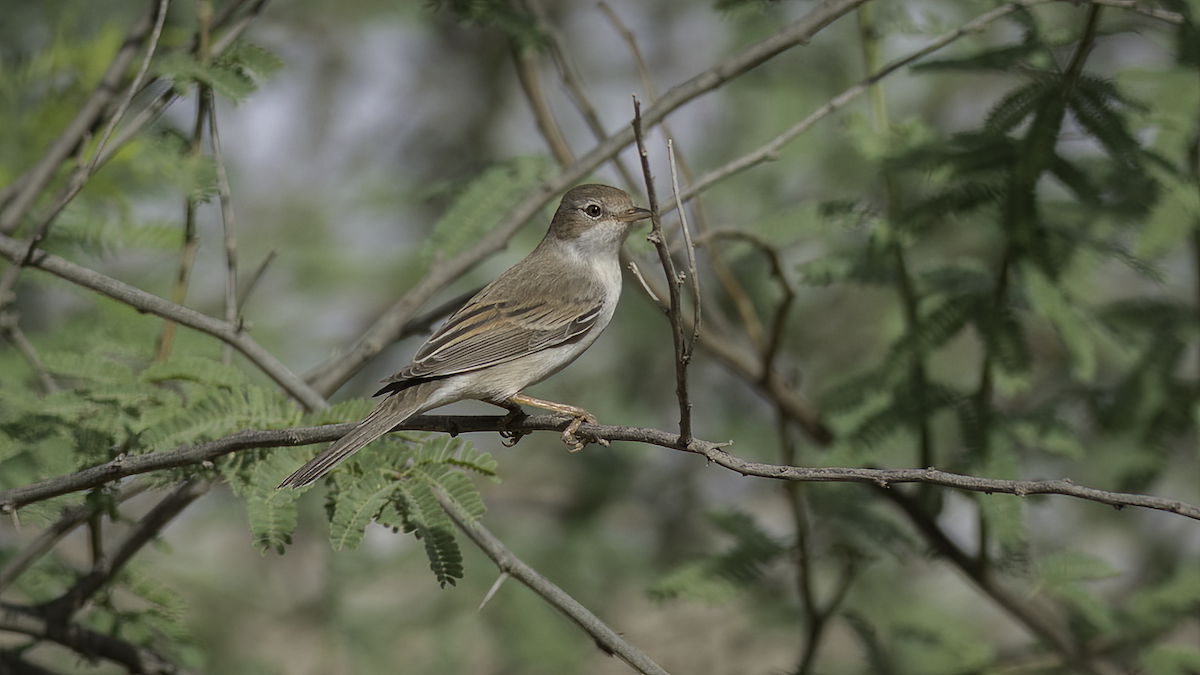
[380, 117]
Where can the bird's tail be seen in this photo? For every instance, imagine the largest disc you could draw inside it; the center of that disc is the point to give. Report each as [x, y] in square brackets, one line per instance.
[391, 411]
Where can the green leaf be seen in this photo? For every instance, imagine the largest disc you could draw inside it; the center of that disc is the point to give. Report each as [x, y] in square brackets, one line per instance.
[482, 204]
[271, 512]
[1174, 216]
[1163, 660]
[435, 530]
[1017, 105]
[1163, 606]
[199, 370]
[1049, 301]
[1004, 514]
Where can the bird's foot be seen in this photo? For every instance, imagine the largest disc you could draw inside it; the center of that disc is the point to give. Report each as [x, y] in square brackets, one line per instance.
[568, 435]
[511, 436]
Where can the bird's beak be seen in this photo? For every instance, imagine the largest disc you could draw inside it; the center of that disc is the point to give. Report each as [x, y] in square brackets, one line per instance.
[634, 214]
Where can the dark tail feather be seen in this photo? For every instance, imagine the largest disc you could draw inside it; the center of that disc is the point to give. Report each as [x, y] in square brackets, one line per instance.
[391, 411]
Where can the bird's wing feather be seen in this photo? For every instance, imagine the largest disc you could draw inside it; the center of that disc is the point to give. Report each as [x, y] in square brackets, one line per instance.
[487, 334]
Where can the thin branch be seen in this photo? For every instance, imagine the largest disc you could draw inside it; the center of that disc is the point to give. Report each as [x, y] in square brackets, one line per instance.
[674, 280]
[509, 564]
[770, 150]
[36, 179]
[192, 455]
[87, 642]
[191, 240]
[13, 333]
[147, 528]
[229, 232]
[531, 83]
[637, 275]
[737, 295]
[749, 367]
[331, 374]
[134, 87]
[1139, 7]
[152, 304]
[1035, 617]
[70, 519]
[690, 252]
[576, 90]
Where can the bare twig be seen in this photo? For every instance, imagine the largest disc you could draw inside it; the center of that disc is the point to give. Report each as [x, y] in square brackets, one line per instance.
[749, 366]
[674, 281]
[147, 528]
[82, 173]
[244, 440]
[331, 374]
[531, 83]
[690, 252]
[69, 140]
[133, 658]
[134, 87]
[152, 304]
[509, 564]
[741, 300]
[191, 240]
[770, 150]
[576, 90]
[232, 308]
[1139, 7]
[70, 519]
[13, 333]
[637, 274]
[779, 320]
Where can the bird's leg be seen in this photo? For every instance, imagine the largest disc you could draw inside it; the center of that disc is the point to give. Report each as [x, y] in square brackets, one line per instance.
[515, 413]
[568, 434]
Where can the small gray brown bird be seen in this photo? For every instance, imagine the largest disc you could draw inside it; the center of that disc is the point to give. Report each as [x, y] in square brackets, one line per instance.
[528, 324]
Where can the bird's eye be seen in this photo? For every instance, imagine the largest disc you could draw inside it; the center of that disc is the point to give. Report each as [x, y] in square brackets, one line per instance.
[593, 210]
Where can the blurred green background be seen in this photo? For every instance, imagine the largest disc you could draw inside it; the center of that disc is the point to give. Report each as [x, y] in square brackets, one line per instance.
[1057, 341]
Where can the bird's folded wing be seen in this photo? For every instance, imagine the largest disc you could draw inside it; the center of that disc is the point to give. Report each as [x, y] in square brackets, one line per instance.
[485, 334]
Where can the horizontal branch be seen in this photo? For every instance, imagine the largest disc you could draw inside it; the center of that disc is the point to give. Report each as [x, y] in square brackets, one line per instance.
[456, 424]
[142, 301]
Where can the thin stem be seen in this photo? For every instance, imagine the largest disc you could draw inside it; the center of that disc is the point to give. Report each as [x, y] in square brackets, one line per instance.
[675, 302]
[152, 304]
[191, 241]
[508, 563]
[228, 230]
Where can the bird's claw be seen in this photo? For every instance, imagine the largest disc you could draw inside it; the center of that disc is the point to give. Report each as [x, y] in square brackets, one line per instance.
[511, 437]
[574, 442]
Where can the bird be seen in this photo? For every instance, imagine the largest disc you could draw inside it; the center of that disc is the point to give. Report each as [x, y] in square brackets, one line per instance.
[531, 322]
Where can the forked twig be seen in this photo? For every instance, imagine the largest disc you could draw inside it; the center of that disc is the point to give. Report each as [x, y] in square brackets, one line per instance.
[674, 281]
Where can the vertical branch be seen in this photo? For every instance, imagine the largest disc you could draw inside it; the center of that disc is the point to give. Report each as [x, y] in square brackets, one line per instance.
[690, 250]
[232, 308]
[191, 242]
[675, 315]
[725, 276]
[869, 40]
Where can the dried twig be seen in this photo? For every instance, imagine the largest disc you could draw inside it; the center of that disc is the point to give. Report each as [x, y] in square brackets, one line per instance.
[509, 564]
[232, 308]
[152, 304]
[674, 281]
